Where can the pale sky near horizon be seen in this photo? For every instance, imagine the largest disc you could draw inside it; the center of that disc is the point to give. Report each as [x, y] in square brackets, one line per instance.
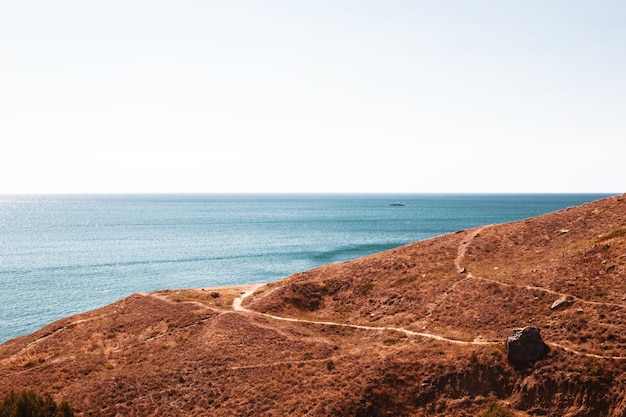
[318, 96]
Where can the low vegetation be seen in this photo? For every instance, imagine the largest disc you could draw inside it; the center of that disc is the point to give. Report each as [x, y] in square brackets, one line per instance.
[419, 330]
[495, 410]
[28, 403]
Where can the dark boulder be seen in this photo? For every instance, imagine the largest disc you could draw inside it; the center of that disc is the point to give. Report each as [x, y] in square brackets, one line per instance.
[525, 346]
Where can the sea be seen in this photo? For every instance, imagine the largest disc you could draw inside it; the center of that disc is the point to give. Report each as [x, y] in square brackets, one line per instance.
[65, 254]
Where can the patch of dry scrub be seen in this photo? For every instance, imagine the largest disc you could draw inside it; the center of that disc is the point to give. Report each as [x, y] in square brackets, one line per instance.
[188, 353]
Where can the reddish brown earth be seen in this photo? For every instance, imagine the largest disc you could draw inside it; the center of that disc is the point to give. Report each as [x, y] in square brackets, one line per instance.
[414, 331]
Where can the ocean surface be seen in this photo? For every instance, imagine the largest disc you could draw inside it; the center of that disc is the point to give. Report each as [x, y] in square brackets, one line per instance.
[61, 255]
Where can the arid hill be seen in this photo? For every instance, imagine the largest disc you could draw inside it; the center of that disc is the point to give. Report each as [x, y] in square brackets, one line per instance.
[415, 331]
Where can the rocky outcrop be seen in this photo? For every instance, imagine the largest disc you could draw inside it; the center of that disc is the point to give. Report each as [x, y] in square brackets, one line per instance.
[575, 395]
[525, 345]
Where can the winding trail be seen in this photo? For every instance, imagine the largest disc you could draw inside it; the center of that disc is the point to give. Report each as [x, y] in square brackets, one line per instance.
[238, 307]
[238, 300]
[459, 265]
[460, 254]
[548, 291]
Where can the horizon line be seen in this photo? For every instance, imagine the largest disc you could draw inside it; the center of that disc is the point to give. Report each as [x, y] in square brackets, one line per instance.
[129, 193]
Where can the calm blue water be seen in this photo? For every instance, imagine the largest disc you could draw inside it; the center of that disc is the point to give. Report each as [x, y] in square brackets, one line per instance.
[61, 255]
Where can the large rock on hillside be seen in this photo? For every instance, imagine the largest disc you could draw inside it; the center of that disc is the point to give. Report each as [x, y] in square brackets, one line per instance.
[525, 346]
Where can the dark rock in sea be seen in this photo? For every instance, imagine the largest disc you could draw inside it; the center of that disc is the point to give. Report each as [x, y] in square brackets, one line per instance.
[525, 346]
[562, 302]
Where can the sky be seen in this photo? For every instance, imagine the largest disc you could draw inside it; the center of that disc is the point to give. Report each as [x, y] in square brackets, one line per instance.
[139, 96]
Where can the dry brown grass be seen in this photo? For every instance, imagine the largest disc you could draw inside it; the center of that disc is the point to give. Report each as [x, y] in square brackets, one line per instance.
[187, 353]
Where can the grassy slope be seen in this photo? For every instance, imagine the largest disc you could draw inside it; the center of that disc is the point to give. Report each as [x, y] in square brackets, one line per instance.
[187, 353]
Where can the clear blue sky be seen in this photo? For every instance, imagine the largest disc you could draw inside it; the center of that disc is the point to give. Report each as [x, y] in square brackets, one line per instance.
[312, 96]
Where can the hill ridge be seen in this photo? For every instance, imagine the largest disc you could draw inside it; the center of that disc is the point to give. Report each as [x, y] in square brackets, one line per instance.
[414, 331]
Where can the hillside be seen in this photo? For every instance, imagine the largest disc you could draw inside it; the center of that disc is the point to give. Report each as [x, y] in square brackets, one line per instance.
[415, 331]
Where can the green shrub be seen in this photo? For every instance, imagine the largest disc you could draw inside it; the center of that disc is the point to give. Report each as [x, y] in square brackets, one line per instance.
[495, 410]
[29, 404]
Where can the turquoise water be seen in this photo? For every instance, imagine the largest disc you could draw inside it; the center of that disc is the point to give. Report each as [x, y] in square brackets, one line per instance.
[60, 255]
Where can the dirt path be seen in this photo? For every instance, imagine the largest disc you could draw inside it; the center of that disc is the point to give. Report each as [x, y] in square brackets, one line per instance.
[238, 307]
[460, 254]
[548, 291]
[238, 300]
[458, 263]
[589, 355]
